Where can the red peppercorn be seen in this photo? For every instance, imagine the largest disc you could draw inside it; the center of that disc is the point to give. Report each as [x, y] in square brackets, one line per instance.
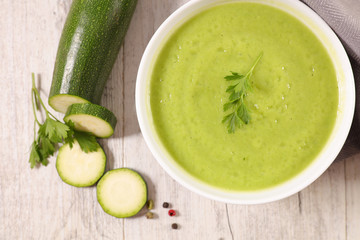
[172, 213]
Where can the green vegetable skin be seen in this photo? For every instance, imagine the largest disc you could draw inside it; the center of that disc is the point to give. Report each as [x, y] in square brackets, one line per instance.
[90, 42]
[293, 102]
[93, 118]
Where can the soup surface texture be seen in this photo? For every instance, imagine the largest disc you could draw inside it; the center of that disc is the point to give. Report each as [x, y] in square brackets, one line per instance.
[293, 103]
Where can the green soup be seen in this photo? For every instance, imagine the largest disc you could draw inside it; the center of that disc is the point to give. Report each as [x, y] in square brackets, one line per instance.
[293, 103]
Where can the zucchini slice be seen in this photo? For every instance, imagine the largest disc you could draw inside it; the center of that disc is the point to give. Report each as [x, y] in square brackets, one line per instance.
[122, 192]
[88, 117]
[78, 168]
[61, 102]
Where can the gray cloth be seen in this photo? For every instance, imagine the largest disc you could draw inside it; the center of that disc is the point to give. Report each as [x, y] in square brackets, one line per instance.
[343, 16]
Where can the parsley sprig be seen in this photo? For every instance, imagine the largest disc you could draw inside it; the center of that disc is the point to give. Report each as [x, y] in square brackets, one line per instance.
[238, 91]
[52, 132]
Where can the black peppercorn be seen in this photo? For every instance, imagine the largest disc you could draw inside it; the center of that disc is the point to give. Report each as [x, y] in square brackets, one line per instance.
[165, 205]
[174, 226]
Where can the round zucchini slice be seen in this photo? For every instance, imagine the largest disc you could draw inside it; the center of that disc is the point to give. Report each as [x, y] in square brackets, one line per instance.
[78, 168]
[93, 118]
[122, 192]
[61, 102]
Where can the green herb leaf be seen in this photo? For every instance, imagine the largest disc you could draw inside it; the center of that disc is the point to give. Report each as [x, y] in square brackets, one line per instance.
[230, 88]
[46, 145]
[70, 134]
[236, 96]
[87, 141]
[238, 91]
[243, 113]
[227, 118]
[44, 156]
[34, 155]
[52, 132]
[234, 76]
[227, 106]
[55, 130]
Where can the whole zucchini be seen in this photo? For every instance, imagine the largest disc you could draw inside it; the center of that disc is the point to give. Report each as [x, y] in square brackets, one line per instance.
[90, 42]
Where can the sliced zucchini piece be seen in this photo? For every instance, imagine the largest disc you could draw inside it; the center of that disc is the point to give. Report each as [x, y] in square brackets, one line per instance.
[78, 168]
[93, 118]
[61, 102]
[122, 192]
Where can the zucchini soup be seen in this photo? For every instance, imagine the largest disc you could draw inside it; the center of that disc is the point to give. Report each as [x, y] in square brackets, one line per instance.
[289, 106]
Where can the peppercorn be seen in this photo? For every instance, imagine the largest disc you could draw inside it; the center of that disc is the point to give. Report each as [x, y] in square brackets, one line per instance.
[149, 215]
[172, 213]
[174, 226]
[150, 204]
[165, 205]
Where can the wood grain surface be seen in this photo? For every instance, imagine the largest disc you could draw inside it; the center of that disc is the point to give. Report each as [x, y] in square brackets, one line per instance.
[36, 204]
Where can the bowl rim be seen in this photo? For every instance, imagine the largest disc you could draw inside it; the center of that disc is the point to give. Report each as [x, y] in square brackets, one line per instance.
[283, 190]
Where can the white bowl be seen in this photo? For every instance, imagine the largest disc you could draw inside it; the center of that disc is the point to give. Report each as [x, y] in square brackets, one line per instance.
[307, 176]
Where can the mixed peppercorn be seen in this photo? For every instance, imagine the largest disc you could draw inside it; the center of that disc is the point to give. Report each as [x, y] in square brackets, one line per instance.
[171, 212]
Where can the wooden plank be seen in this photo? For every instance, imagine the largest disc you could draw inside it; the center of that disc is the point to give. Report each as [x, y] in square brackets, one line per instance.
[28, 197]
[352, 169]
[317, 212]
[323, 205]
[36, 204]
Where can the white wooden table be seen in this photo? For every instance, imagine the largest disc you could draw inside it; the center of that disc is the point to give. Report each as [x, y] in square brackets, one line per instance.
[36, 204]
